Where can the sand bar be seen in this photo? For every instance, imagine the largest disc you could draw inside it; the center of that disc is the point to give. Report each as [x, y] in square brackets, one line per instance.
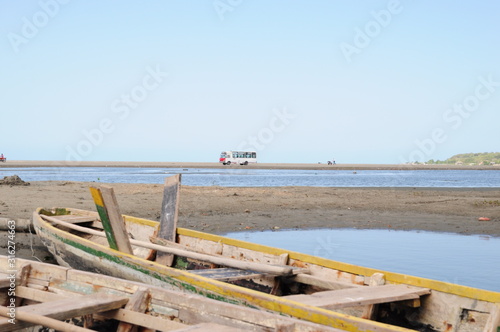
[305, 166]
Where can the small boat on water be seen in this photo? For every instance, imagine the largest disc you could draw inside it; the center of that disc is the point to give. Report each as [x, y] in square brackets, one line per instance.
[50, 296]
[313, 289]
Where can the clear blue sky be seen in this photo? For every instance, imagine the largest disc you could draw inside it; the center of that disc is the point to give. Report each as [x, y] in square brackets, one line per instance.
[298, 81]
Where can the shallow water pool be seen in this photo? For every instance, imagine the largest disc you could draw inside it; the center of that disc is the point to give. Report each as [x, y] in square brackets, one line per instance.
[471, 260]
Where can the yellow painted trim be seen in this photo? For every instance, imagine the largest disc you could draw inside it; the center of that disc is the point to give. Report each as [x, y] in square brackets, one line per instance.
[96, 195]
[142, 221]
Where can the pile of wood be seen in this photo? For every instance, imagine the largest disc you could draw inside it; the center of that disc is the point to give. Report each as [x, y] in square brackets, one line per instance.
[66, 299]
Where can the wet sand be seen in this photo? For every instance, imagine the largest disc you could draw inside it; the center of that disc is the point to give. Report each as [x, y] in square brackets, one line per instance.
[227, 209]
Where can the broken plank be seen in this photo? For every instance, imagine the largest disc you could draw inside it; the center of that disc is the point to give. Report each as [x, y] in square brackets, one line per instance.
[360, 296]
[111, 218]
[169, 215]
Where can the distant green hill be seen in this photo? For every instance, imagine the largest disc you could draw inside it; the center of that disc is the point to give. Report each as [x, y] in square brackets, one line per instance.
[482, 158]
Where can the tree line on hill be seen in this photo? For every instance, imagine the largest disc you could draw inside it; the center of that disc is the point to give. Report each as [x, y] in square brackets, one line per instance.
[482, 158]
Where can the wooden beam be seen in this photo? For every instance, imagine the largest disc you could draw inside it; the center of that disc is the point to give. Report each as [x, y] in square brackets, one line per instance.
[22, 279]
[111, 218]
[169, 214]
[283, 260]
[138, 303]
[371, 310]
[323, 283]
[360, 296]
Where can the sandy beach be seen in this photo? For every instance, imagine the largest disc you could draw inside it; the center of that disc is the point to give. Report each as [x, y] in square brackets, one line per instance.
[226, 209]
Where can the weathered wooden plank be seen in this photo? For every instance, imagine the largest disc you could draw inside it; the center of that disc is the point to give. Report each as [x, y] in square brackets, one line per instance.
[209, 327]
[360, 296]
[37, 295]
[168, 218]
[228, 274]
[323, 283]
[111, 218]
[75, 219]
[72, 307]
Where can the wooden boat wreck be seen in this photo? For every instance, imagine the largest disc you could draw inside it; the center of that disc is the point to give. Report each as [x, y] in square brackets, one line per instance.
[45, 295]
[310, 288]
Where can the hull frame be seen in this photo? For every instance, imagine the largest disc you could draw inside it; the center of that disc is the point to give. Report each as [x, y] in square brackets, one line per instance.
[442, 305]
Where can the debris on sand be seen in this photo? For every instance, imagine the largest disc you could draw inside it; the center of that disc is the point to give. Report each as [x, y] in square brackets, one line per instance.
[13, 180]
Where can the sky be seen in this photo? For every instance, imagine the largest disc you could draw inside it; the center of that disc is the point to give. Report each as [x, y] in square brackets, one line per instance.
[298, 81]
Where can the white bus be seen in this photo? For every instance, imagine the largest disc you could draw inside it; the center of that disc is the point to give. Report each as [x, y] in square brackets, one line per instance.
[239, 157]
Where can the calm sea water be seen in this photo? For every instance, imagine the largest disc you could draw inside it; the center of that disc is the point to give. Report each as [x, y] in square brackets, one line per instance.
[261, 177]
[470, 260]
